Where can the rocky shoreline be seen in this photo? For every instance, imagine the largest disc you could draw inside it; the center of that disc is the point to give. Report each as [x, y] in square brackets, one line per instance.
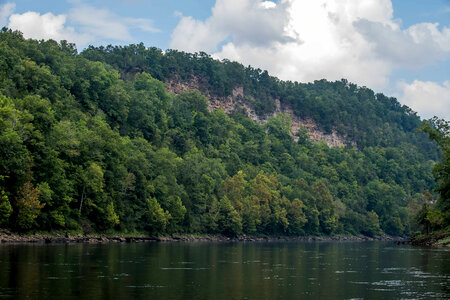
[441, 239]
[7, 237]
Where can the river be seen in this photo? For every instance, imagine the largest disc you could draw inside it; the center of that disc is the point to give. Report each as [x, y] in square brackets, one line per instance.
[246, 270]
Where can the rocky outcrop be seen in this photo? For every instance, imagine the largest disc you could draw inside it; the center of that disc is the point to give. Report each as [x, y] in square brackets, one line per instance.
[238, 101]
[314, 132]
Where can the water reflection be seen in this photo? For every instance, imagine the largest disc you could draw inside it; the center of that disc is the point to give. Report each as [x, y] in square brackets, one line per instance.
[369, 270]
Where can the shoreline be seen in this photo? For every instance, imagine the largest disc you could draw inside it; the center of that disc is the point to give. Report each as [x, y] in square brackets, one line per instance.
[7, 237]
[441, 239]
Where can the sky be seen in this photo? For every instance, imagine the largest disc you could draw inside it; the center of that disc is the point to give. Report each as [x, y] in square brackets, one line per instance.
[398, 47]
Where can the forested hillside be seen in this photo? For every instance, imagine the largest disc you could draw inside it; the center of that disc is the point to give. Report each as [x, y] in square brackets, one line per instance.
[94, 142]
[366, 118]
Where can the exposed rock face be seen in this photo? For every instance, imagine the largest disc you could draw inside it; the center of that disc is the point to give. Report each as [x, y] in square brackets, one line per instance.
[237, 101]
[179, 86]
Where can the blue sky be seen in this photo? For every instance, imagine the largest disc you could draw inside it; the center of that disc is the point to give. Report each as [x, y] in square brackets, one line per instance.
[398, 47]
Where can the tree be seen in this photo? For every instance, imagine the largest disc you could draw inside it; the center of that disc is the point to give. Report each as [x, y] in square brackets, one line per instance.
[439, 131]
[373, 224]
[106, 146]
[177, 212]
[5, 208]
[92, 184]
[111, 217]
[234, 188]
[325, 205]
[28, 206]
[295, 216]
[228, 220]
[156, 218]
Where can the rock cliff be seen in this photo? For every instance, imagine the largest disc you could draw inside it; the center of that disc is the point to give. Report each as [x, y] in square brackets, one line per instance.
[237, 101]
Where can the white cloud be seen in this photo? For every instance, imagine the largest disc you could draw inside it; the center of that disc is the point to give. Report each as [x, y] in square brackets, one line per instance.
[142, 24]
[177, 14]
[99, 22]
[313, 39]
[419, 45]
[104, 24]
[268, 4]
[248, 22]
[426, 97]
[5, 11]
[46, 26]
[93, 25]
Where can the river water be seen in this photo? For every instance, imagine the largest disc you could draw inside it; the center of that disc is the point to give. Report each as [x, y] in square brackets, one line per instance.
[320, 270]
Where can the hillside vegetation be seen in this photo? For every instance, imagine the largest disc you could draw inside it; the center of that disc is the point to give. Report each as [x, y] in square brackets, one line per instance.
[94, 142]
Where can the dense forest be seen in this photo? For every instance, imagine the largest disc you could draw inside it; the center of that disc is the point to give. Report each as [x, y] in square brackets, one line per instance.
[93, 142]
[435, 218]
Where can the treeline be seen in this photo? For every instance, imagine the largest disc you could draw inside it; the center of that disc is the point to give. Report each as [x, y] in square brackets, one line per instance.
[94, 142]
[367, 118]
[435, 217]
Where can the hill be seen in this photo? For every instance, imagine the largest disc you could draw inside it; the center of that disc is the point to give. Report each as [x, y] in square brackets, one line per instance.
[134, 138]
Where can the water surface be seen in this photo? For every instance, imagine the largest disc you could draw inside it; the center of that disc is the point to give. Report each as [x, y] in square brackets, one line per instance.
[322, 270]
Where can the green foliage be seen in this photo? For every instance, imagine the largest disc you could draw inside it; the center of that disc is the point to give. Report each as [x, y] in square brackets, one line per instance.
[58, 218]
[439, 131]
[94, 141]
[228, 220]
[5, 208]
[295, 216]
[111, 217]
[28, 206]
[156, 219]
[325, 206]
[373, 224]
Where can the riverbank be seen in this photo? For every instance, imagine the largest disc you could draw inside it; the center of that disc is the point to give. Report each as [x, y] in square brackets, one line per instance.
[441, 239]
[8, 237]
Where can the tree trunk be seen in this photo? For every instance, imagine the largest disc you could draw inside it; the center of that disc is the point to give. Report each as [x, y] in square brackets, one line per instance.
[82, 198]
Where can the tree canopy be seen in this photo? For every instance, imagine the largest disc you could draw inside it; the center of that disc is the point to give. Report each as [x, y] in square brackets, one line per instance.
[94, 142]
[438, 216]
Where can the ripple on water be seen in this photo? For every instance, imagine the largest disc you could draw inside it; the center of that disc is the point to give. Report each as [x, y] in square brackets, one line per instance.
[427, 275]
[145, 286]
[114, 276]
[383, 290]
[185, 268]
[392, 270]
[347, 271]
[359, 282]
[389, 283]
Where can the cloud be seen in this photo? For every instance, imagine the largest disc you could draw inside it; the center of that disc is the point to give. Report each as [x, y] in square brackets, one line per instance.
[426, 97]
[5, 11]
[46, 26]
[142, 24]
[313, 39]
[248, 22]
[104, 24]
[99, 22]
[92, 25]
[419, 45]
